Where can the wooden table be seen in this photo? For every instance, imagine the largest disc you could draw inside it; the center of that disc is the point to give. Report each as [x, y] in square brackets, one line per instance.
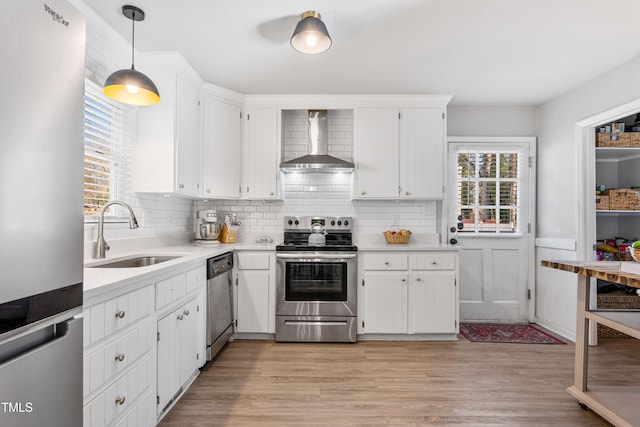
[619, 405]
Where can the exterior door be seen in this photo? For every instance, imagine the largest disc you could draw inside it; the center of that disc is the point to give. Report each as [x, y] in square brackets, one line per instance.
[490, 198]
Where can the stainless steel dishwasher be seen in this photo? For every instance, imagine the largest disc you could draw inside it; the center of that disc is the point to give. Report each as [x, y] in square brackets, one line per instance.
[219, 303]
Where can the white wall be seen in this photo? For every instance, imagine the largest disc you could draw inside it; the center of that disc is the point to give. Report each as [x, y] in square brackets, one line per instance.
[558, 182]
[492, 121]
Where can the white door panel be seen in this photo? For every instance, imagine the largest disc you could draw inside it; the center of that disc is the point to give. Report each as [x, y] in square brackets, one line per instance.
[495, 198]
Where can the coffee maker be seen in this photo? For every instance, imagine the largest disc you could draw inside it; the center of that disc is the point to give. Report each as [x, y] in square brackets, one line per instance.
[207, 228]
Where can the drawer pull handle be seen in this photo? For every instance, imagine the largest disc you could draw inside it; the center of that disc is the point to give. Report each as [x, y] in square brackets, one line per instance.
[120, 314]
[120, 400]
[186, 312]
[120, 357]
[179, 317]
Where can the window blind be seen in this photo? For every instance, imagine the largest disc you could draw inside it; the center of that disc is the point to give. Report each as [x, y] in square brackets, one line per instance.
[107, 149]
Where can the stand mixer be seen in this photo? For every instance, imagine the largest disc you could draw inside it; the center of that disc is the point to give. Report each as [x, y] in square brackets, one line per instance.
[207, 227]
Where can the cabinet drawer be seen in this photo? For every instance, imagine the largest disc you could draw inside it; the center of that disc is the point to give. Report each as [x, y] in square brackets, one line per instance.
[253, 261]
[110, 316]
[122, 395]
[196, 278]
[433, 261]
[385, 261]
[169, 290]
[108, 361]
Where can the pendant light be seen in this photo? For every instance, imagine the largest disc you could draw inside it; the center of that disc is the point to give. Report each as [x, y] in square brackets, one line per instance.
[311, 35]
[131, 86]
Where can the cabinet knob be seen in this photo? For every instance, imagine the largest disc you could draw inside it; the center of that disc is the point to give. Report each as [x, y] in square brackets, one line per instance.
[272, 193]
[418, 279]
[363, 193]
[120, 400]
[179, 317]
[186, 312]
[208, 190]
[119, 357]
[120, 314]
[181, 185]
[407, 193]
[434, 263]
[386, 263]
[404, 279]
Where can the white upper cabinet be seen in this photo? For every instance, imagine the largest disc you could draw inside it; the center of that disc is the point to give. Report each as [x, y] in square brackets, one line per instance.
[222, 130]
[399, 153]
[167, 149]
[261, 169]
[422, 154]
[376, 136]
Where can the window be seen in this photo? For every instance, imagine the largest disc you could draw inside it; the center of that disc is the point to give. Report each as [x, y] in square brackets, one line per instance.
[488, 184]
[108, 149]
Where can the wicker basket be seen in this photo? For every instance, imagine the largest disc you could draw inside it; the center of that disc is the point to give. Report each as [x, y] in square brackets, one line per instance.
[602, 202]
[397, 238]
[623, 199]
[620, 139]
[617, 300]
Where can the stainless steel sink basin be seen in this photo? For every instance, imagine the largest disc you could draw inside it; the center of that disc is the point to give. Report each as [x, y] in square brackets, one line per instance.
[142, 261]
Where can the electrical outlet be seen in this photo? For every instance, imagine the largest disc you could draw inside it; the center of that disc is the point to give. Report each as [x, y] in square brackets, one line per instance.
[395, 220]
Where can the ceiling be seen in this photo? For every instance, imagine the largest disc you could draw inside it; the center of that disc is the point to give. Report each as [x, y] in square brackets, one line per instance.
[483, 52]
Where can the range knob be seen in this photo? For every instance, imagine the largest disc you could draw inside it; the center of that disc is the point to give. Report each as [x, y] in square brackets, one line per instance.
[339, 223]
[333, 222]
[289, 222]
[346, 222]
[296, 222]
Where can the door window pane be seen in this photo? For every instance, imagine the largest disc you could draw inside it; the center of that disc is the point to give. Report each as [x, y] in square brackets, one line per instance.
[488, 185]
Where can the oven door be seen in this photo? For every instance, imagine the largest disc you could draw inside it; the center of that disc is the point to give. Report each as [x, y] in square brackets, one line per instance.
[316, 284]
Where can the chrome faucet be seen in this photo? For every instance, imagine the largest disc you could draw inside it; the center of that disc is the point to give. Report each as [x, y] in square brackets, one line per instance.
[101, 245]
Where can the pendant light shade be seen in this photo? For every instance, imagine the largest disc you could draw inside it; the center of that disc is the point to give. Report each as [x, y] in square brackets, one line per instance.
[129, 85]
[311, 35]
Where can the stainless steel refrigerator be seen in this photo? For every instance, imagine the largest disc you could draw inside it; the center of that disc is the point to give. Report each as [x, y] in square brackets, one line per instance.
[42, 46]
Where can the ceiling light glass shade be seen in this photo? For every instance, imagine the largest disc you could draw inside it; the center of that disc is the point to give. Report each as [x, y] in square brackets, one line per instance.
[131, 87]
[311, 35]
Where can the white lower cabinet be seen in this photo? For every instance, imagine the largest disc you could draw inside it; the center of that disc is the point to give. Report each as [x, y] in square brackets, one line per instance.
[118, 365]
[408, 293]
[255, 292]
[179, 349]
[126, 383]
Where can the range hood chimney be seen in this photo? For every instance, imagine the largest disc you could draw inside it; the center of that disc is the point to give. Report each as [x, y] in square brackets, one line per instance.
[318, 159]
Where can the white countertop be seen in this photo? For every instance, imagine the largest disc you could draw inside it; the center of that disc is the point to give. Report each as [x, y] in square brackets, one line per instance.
[411, 246]
[98, 281]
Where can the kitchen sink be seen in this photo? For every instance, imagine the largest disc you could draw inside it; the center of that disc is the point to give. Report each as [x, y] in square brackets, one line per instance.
[141, 261]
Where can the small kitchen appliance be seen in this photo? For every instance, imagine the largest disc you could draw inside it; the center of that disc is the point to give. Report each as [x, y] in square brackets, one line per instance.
[316, 283]
[207, 228]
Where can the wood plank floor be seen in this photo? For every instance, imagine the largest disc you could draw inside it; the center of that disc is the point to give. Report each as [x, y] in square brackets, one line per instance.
[262, 383]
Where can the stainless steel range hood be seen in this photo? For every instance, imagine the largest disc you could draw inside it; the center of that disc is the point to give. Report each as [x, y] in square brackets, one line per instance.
[318, 159]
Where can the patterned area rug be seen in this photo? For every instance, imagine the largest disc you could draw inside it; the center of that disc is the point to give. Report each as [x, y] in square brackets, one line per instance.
[520, 334]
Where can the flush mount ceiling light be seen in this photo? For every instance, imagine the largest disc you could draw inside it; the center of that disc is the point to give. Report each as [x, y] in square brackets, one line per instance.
[131, 86]
[311, 35]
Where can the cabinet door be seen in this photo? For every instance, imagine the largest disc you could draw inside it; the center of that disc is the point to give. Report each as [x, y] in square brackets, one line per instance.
[221, 148]
[376, 153]
[261, 154]
[432, 297]
[188, 150]
[385, 303]
[190, 354]
[169, 367]
[422, 143]
[253, 301]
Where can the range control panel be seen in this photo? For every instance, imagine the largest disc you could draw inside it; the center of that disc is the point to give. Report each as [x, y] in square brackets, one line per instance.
[329, 223]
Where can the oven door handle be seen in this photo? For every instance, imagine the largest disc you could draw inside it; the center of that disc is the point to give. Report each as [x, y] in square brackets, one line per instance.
[315, 256]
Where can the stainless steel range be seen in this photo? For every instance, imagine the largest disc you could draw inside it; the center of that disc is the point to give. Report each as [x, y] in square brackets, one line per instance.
[316, 283]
